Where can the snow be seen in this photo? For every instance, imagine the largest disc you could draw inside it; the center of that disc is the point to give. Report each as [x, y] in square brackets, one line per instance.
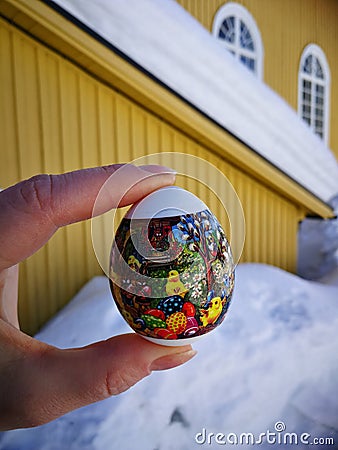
[164, 39]
[273, 359]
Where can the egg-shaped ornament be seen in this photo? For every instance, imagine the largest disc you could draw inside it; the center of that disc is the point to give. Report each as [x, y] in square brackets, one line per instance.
[171, 268]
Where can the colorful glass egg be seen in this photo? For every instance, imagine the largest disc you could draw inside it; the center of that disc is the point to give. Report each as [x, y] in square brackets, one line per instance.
[171, 268]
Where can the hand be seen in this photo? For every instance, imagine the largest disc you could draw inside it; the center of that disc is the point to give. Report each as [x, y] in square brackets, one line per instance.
[39, 382]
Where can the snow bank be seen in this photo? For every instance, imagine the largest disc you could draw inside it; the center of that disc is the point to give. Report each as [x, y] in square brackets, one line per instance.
[273, 359]
[163, 38]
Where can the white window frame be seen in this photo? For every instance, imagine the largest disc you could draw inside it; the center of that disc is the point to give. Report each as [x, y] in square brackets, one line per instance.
[317, 52]
[241, 14]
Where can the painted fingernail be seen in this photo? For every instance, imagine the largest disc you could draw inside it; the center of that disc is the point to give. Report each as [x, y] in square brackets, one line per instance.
[173, 360]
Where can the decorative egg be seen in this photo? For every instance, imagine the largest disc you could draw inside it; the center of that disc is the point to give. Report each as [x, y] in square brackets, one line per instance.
[171, 268]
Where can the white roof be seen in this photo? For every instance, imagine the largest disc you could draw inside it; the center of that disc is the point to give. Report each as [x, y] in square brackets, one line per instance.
[168, 42]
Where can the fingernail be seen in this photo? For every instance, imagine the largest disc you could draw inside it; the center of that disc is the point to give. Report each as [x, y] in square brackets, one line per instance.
[156, 169]
[173, 360]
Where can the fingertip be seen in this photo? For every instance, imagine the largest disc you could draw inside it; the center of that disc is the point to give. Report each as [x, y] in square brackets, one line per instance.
[131, 358]
[151, 356]
[144, 183]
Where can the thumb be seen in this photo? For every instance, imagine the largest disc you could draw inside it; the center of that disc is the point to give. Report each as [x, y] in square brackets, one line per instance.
[63, 380]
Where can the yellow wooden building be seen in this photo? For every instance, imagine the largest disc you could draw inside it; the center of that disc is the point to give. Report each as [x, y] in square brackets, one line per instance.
[75, 96]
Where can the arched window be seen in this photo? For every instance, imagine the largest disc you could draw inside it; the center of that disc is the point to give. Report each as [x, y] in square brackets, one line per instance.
[314, 90]
[236, 29]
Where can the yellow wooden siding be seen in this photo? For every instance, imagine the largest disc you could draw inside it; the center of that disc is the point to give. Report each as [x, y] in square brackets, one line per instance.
[286, 27]
[56, 118]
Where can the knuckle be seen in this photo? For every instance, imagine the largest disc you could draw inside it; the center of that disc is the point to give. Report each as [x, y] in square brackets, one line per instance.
[36, 192]
[37, 197]
[115, 384]
[120, 381]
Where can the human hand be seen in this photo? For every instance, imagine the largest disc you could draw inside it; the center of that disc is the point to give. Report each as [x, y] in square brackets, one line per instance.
[39, 382]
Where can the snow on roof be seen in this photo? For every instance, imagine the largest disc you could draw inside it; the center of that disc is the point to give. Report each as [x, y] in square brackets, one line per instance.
[169, 43]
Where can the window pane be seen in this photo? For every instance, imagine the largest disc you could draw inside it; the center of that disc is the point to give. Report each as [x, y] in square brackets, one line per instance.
[248, 62]
[307, 97]
[318, 69]
[245, 37]
[319, 101]
[319, 113]
[306, 111]
[306, 94]
[221, 33]
[307, 67]
[227, 30]
[320, 90]
[306, 86]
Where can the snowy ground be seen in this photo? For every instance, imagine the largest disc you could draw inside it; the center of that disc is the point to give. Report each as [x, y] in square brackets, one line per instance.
[274, 359]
